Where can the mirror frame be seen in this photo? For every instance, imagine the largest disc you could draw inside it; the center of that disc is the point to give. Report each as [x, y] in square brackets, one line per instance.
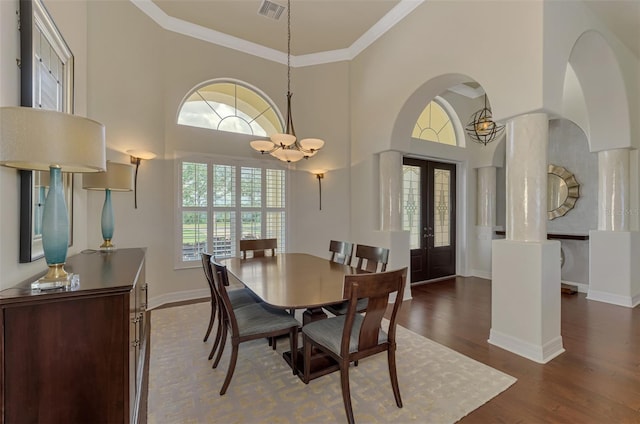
[573, 191]
[35, 19]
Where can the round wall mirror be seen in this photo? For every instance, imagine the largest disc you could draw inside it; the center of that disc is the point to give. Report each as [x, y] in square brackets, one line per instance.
[562, 191]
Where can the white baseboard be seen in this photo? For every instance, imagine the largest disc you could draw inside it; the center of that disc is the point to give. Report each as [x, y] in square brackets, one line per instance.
[540, 354]
[614, 299]
[480, 273]
[582, 287]
[181, 296]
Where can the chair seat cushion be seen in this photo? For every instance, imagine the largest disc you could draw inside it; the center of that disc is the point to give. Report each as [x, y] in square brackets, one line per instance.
[260, 318]
[328, 333]
[341, 308]
[241, 297]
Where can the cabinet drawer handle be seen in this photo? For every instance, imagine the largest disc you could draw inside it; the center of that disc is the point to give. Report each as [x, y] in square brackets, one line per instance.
[144, 287]
[136, 319]
[135, 343]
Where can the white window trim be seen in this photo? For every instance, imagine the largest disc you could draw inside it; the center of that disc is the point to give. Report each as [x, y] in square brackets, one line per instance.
[179, 158]
[454, 119]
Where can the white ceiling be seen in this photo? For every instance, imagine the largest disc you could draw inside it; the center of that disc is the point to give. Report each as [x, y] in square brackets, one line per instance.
[316, 25]
[321, 26]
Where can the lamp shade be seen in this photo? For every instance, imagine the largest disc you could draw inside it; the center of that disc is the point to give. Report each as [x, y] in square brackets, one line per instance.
[38, 139]
[119, 177]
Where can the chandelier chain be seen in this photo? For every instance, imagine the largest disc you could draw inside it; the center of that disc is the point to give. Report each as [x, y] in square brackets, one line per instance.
[288, 46]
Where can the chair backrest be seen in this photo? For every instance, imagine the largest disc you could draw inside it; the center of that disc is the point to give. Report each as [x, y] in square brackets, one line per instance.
[341, 251]
[206, 266]
[376, 287]
[221, 280]
[258, 247]
[373, 257]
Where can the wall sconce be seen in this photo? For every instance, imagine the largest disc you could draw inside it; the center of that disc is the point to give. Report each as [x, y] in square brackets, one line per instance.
[119, 177]
[136, 157]
[319, 175]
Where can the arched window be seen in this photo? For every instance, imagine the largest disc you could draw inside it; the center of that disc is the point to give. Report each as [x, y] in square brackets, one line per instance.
[438, 123]
[228, 105]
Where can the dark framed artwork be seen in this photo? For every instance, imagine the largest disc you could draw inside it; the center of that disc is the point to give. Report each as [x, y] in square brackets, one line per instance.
[46, 81]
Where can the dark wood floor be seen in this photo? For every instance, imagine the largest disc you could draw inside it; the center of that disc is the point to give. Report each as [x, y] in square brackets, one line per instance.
[597, 379]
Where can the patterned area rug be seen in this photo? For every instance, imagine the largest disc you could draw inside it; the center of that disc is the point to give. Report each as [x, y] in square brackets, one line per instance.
[437, 384]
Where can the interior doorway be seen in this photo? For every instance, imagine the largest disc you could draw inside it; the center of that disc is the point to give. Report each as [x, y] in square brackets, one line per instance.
[429, 211]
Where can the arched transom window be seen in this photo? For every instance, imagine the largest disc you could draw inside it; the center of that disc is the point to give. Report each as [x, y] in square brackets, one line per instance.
[230, 106]
[434, 124]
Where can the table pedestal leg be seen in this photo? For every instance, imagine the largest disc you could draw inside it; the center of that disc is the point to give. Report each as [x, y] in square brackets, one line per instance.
[313, 314]
[321, 363]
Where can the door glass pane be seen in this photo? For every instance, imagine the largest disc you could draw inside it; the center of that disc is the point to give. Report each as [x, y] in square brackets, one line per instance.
[194, 235]
[411, 204]
[442, 206]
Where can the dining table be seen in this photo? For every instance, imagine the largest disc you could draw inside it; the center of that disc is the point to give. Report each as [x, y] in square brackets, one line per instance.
[295, 281]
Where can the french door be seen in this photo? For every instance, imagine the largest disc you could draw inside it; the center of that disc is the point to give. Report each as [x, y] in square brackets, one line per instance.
[429, 211]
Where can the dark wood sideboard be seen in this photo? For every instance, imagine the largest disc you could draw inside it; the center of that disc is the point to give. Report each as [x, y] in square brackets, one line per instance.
[78, 356]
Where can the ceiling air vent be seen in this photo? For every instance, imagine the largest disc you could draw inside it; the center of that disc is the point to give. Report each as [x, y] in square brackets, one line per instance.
[270, 9]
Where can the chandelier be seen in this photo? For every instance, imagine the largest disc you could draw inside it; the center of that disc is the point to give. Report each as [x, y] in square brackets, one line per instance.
[482, 128]
[285, 146]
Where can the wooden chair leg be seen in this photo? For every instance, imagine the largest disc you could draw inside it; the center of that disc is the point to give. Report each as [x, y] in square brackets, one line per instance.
[231, 369]
[346, 394]
[223, 341]
[273, 342]
[211, 319]
[391, 354]
[216, 343]
[293, 344]
[307, 359]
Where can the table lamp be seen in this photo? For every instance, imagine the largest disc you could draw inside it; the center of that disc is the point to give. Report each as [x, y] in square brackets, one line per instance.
[38, 139]
[119, 177]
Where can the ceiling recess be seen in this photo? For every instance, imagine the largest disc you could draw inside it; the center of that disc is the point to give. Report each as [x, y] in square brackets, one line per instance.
[270, 9]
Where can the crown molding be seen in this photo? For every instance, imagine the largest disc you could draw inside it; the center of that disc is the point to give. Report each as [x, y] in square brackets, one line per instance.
[395, 15]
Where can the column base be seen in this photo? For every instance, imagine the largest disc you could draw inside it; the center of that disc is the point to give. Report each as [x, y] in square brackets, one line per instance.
[540, 354]
[525, 299]
[614, 270]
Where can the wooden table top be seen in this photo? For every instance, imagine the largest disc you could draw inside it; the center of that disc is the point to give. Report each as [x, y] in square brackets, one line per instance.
[291, 280]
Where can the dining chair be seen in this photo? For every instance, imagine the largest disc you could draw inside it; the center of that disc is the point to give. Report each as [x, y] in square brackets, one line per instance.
[354, 336]
[258, 247]
[341, 252]
[238, 298]
[369, 257]
[249, 322]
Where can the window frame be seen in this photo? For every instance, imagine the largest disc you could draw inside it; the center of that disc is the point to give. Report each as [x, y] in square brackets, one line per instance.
[238, 82]
[238, 163]
[454, 119]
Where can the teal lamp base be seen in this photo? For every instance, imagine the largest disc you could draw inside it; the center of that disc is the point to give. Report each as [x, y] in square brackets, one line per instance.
[107, 223]
[55, 235]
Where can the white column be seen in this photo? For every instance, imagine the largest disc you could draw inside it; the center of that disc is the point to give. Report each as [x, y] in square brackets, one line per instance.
[391, 191]
[486, 197]
[613, 249]
[613, 190]
[485, 221]
[525, 289]
[526, 194]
